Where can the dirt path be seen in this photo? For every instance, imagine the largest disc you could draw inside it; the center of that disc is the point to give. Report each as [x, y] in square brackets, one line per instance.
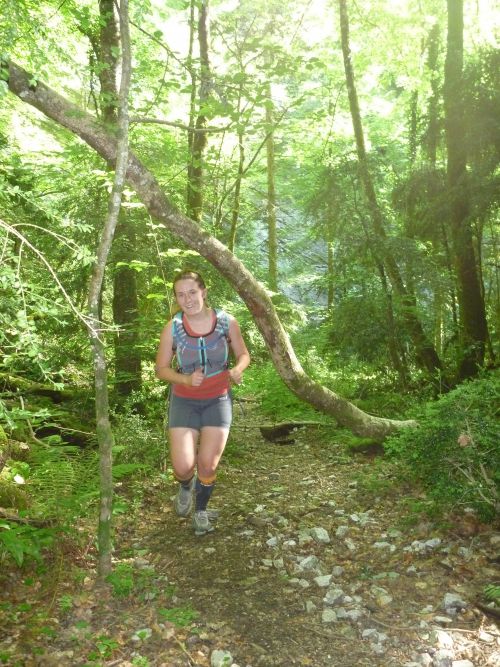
[316, 560]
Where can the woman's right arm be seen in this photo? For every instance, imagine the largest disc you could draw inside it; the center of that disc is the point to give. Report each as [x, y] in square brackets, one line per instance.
[164, 357]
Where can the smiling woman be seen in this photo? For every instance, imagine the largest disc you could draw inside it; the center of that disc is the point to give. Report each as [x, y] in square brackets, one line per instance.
[200, 412]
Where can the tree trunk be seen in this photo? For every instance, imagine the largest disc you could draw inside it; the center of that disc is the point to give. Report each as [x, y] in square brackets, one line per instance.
[272, 240]
[84, 125]
[198, 139]
[472, 316]
[330, 258]
[128, 369]
[104, 432]
[235, 213]
[432, 135]
[128, 372]
[425, 352]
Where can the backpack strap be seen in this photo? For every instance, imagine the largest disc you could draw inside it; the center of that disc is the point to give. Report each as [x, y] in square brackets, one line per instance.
[176, 325]
[223, 322]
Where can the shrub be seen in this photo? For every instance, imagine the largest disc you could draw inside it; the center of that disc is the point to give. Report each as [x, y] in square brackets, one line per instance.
[455, 452]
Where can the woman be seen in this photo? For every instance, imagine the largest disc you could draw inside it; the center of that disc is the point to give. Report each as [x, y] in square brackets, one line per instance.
[200, 411]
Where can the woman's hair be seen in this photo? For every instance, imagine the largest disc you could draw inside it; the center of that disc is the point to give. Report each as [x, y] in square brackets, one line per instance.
[188, 274]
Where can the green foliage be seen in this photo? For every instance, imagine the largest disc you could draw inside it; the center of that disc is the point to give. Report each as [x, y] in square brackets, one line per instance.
[179, 616]
[492, 593]
[104, 648]
[277, 401]
[140, 440]
[125, 580]
[24, 542]
[455, 451]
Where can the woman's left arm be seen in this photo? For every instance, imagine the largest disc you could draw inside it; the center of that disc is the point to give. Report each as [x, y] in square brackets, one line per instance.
[240, 352]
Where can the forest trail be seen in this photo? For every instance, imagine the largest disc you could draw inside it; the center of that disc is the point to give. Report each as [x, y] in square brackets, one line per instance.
[315, 561]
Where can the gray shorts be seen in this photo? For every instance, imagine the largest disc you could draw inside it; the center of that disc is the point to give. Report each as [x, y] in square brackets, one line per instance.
[197, 413]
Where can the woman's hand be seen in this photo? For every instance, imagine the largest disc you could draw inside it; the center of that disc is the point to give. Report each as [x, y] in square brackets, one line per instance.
[236, 375]
[196, 378]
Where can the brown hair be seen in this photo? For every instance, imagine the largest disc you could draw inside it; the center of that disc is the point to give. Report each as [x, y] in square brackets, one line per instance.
[188, 274]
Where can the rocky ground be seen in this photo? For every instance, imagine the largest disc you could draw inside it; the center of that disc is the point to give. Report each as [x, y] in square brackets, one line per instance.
[318, 559]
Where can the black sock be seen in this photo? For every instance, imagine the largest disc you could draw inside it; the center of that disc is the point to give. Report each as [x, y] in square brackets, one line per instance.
[186, 483]
[203, 493]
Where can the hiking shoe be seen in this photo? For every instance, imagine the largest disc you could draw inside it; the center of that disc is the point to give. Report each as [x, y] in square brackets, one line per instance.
[201, 524]
[184, 500]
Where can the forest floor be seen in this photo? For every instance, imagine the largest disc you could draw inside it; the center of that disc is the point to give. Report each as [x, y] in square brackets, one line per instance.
[318, 558]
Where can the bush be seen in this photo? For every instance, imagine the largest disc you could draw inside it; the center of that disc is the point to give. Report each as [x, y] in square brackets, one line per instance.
[455, 452]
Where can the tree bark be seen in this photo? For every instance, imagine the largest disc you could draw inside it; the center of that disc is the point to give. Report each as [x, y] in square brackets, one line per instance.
[104, 431]
[198, 140]
[235, 212]
[472, 316]
[128, 370]
[84, 125]
[128, 366]
[425, 352]
[272, 239]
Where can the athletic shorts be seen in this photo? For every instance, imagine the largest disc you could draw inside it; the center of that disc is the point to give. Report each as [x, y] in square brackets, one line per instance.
[197, 413]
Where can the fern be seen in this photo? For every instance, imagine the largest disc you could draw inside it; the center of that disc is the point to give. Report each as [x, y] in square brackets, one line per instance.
[63, 480]
[492, 593]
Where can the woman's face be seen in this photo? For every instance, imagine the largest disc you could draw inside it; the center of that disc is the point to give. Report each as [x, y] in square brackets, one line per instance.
[190, 296]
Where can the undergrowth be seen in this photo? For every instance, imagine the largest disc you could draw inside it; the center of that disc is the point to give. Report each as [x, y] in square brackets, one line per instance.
[455, 452]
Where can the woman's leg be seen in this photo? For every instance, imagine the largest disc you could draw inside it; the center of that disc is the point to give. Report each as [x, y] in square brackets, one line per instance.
[183, 443]
[212, 443]
[183, 456]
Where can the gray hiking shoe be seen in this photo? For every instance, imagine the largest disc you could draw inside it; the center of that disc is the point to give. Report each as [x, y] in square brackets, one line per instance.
[184, 500]
[201, 524]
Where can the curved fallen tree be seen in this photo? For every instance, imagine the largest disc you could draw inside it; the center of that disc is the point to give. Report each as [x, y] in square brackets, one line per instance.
[88, 128]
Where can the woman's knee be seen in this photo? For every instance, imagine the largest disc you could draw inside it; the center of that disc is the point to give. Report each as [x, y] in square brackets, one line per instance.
[183, 471]
[207, 470]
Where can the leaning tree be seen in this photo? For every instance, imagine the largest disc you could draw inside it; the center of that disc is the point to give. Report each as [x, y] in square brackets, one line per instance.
[142, 180]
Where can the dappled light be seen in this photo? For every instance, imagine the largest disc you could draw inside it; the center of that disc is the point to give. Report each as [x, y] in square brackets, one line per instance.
[249, 325]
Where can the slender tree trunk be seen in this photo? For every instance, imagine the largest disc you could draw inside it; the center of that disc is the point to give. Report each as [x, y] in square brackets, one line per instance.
[128, 365]
[235, 213]
[425, 352]
[109, 45]
[88, 128]
[272, 239]
[198, 139]
[104, 432]
[472, 316]
[330, 259]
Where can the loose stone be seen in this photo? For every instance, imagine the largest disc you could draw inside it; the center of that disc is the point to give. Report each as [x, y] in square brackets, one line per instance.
[304, 537]
[342, 531]
[421, 547]
[453, 603]
[221, 659]
[354, 614]
[320, 535]
[334, 596]
[444, 640]
[309, 563]
[443, 620]
[385, 545]
[328, 616]
[350, 544]
[323, 581]
[443, 658]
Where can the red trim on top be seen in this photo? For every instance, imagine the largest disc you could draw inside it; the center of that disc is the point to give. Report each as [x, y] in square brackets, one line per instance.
[211, 387]
[193, 334]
